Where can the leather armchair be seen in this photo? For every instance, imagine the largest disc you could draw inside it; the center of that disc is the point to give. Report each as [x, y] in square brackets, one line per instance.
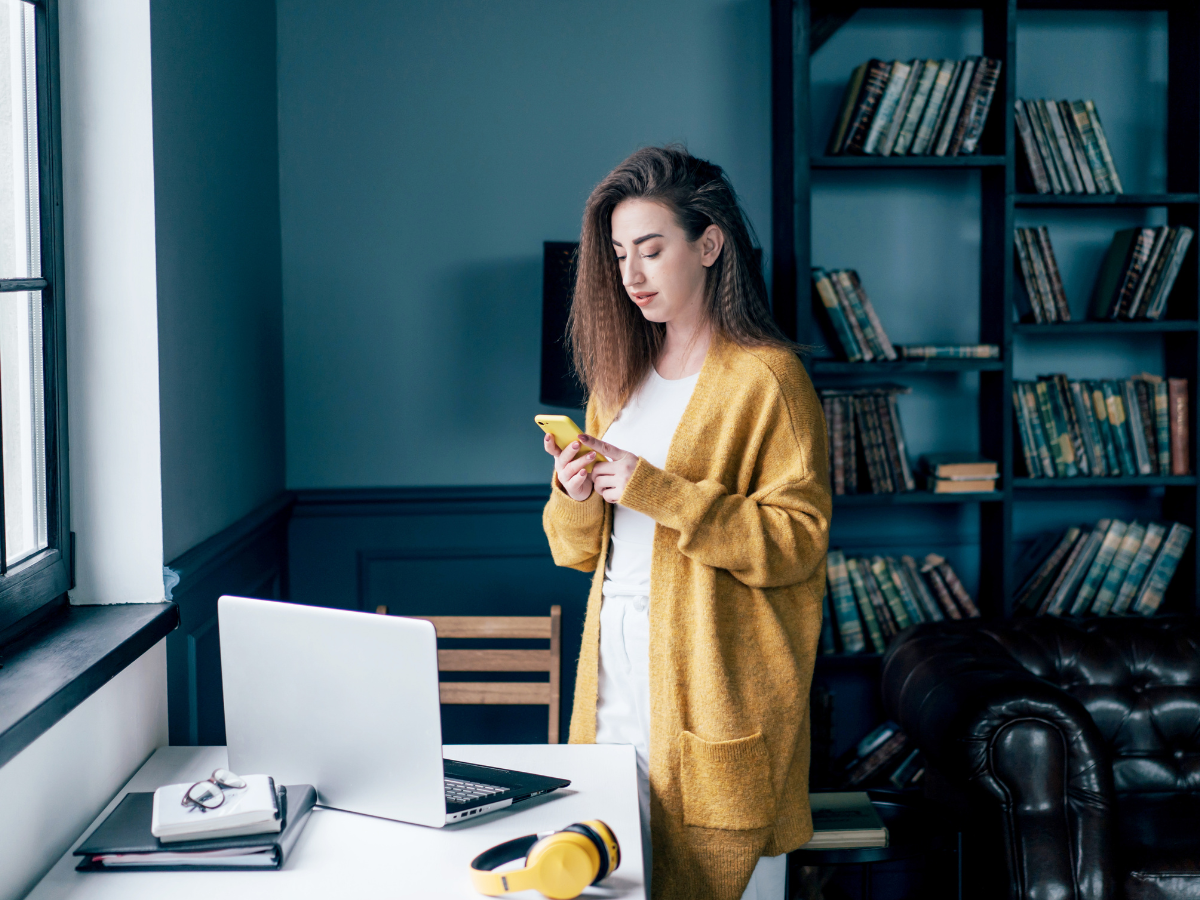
[1068, 750]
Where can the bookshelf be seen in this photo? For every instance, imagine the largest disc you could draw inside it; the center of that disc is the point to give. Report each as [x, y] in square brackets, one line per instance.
[799, 27]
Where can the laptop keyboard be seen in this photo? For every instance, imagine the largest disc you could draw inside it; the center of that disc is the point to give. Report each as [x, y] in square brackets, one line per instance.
[461, 791]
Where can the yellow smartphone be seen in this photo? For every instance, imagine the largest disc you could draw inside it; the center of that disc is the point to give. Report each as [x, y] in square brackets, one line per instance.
[564, 430]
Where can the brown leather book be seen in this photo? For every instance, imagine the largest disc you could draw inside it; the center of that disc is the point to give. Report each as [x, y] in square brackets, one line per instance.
[1177, 392]
[874, 83]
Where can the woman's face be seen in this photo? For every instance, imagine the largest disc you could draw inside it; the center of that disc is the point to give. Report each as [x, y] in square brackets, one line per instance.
[663, 272]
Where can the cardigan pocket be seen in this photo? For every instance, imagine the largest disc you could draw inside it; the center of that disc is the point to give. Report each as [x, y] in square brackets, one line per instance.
[726, 784]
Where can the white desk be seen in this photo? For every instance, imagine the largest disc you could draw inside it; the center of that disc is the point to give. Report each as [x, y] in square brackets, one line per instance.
[346, 855]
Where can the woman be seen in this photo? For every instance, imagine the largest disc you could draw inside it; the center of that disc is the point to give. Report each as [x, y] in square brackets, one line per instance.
[707, 527]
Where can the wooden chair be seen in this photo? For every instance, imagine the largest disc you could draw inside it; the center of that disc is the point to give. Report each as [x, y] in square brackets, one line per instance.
[531, 693]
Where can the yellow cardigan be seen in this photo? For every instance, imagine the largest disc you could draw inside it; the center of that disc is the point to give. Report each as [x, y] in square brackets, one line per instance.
[742, 511]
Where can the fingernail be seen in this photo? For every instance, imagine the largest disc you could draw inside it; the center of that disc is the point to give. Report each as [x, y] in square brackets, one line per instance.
[575, 445]
[592, 455]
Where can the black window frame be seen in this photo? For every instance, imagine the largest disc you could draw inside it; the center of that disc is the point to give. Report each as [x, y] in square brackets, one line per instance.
[40, 582]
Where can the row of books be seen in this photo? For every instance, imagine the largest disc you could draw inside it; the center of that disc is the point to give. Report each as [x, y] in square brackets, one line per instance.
[865, 440]
[852, 316]
[1139, 271]
[1066, 151]
[869, 600]
[917, 108]
[883, 758]
[949, 351]
[1044, 299]
[1138, 426]
[1111, 568]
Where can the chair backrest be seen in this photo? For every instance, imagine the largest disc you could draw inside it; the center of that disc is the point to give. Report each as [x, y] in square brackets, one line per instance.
[532, 693]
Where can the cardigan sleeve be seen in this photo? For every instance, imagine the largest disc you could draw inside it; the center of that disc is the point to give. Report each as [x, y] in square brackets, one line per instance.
[777, 534]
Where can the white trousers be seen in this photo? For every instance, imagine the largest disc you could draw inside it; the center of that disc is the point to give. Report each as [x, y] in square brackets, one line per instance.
[623, 717]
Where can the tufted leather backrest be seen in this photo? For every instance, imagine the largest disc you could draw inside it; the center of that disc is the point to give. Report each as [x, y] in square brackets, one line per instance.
[1138, 678]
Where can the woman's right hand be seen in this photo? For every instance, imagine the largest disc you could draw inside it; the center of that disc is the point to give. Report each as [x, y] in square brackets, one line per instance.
[574, 478]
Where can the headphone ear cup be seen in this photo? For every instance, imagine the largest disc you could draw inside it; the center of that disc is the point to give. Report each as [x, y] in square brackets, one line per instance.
[563, 864]
[605, 842]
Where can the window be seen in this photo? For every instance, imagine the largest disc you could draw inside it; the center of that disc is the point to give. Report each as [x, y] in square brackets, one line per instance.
[35, 537]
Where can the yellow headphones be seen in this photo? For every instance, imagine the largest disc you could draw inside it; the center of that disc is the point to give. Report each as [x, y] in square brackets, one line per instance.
[560, 864]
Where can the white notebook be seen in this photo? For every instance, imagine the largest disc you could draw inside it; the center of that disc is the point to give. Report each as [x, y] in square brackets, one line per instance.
[253, 809]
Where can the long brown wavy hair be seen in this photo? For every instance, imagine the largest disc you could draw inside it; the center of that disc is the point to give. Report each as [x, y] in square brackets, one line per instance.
[613, 345]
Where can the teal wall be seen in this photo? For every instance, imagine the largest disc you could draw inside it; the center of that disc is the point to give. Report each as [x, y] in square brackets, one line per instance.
[427, 149]
[216, 186]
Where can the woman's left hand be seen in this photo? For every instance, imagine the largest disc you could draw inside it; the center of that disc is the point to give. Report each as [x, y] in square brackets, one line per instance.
[609, 478]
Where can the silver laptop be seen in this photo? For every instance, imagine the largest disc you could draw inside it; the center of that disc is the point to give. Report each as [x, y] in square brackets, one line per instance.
[348, 702]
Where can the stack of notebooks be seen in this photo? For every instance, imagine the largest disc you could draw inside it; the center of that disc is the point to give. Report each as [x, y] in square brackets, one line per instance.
[959, 473]
[883, 758]
[869, 600]
[1113, 568]
[1139, 271]
[1065, 149]
[855, 331]
[867, 450]
[1042, 299]
[844, 821]
[1134, 427]
[918, 108]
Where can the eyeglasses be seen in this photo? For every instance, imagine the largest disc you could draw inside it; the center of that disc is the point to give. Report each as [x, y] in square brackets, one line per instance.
[207, 794]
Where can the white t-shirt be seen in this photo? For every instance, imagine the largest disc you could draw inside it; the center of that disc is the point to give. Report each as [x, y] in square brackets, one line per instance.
[645, 428]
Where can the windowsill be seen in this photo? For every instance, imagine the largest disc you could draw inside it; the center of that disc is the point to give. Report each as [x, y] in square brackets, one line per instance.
[67, 658]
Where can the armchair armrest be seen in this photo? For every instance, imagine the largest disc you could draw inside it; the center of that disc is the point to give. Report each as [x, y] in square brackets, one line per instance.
[1035, 768]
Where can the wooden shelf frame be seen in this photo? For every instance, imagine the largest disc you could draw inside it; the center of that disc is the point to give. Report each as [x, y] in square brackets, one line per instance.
[794, 29]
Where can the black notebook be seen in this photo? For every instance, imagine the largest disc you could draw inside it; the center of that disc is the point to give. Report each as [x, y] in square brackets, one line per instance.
[123, 841]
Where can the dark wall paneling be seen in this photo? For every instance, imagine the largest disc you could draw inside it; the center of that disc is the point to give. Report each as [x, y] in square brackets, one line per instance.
[441, 551]
[249, 559]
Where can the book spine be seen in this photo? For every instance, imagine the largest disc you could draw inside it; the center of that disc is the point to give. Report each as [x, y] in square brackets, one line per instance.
[1112, 461]
[852, 441]
[870, 450]
[1108, 282]
[1076, 142]
[864, 605]
[1063, 600]
[871, 340]
[837, 442]
[1033, 468]
[1050, 602]
[1057, 435]
[889, 410]
[977, 118]
[1155, 587]
[941, 592]
[874, 83]
[954, 110]
[1133, 273]
[1029, 277]
[1160, 258]
[1049, 301]
[1177, 399]
[956, 588]
[1063, 390]
[912, 118]
[1162, 425]
[1036, 429]
[849, 103]
[880, 335]
[888, 143]
[1137, 431]
[1113, 535]
[887, 622]
[1116, 572]
[1163, 290]
[1033, 159]
[1137, 301]
[860, 339]
[1037, 123]
[1031, 593]
[1092, 443]
[1052, 273]
[1063, 145]
[883, 578]
[877, 760]
[1090, 147]
[929, 606]
[835, 315]
[879, 440]
[912, 605]
[1120, 431]
[1137, 569]
[1102, 142]
[843, 601]
[888, 100]
[959, 132]
[933, 108]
